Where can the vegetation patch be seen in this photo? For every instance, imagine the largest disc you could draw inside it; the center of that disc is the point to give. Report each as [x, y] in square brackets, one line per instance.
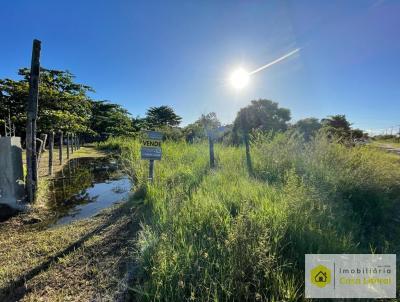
[225, 235]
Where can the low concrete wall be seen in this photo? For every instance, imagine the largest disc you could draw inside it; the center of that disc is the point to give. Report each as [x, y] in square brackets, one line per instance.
[12, 187]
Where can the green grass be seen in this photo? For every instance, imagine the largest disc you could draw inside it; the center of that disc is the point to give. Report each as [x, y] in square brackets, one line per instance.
[221, 235]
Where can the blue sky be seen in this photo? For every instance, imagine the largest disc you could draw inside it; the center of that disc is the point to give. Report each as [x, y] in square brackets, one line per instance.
[180, 53]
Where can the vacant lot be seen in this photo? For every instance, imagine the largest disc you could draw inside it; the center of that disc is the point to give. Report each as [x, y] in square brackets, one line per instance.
[212, 234]
[226, 235]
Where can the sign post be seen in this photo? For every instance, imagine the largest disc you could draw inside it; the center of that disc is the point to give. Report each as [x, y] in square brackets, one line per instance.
[151, 149]
[151, 170]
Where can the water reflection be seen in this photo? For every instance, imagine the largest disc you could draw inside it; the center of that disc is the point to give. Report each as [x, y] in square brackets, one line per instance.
[86, 186]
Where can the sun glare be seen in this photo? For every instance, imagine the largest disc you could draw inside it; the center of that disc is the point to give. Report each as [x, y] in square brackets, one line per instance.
[239, 78]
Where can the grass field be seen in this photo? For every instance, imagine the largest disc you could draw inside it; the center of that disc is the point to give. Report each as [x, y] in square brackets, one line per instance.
[201, 234]
[218, 235]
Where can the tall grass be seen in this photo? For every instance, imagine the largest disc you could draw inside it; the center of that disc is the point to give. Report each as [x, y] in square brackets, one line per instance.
[361, 182]
[219, 235]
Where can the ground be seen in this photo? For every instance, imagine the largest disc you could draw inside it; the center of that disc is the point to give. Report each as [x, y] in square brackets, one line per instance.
[88, 260]
[392, 147]
[87, 151]
[69, 262]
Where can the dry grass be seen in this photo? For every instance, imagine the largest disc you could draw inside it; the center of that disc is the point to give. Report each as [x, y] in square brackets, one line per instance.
[94, 272]
[94, 269]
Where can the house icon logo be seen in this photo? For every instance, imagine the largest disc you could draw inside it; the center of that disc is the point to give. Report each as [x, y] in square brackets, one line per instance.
[320, 276]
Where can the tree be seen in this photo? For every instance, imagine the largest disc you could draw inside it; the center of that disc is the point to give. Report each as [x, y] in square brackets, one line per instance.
[13, 98]
[337, 125]
[198, 129]
[139, 123]
[110, 119]
[63, 104]
[307, 127]
[209, 121]
[162, 116]
[358, 134]
[261, 114]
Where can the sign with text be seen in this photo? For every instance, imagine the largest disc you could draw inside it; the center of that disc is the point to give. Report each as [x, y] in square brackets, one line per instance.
[151, 145]
[350, 276]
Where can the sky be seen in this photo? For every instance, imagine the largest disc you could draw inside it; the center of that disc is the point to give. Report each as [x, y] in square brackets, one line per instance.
[181, 53]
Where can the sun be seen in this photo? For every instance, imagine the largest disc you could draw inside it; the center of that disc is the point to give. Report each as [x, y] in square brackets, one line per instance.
[239, 78]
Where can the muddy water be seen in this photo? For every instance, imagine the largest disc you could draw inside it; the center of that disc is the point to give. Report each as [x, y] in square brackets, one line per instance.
[86, 186]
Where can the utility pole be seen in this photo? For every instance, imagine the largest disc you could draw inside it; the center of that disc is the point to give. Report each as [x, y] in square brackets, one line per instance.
[32, 110]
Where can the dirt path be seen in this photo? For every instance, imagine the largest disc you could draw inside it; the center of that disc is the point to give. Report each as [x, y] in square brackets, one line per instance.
[390, 148]
[94, 267]
[87, 151]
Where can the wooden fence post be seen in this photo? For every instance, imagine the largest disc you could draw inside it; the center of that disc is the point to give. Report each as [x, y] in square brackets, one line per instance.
[41, 147]
[248, 156]
[44, 139]
[51, 148]
[32, 110]
[211, 145]
[151, 170]
[68, 145]
[60, 155]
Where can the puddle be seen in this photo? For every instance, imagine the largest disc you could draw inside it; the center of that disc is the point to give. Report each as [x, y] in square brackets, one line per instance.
[85, 187]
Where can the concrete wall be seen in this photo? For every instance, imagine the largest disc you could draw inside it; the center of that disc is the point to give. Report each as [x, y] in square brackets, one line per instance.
[12, 187]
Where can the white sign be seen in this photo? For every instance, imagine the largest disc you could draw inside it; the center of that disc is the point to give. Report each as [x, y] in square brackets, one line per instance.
[350, 276]
[151, 145]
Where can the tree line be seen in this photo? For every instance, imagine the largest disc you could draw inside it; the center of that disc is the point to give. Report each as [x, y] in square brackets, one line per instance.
[266, 116]
[63, 105]
[66, 105]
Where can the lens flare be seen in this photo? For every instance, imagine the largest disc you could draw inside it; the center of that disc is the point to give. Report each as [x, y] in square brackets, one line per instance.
[240, 78]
